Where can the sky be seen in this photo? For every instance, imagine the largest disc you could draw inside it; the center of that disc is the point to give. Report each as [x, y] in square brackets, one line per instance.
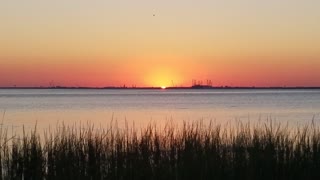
[100, 43]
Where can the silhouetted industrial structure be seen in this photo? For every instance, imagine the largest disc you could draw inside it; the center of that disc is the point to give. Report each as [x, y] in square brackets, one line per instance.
[199, 84]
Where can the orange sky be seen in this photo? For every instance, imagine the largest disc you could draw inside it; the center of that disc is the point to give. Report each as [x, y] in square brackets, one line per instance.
[98, 43]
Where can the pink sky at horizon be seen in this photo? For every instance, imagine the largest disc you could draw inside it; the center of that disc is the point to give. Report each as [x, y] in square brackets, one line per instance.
[130, 74]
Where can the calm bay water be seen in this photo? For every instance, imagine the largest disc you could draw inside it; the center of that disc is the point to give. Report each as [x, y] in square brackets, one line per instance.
[48, 107]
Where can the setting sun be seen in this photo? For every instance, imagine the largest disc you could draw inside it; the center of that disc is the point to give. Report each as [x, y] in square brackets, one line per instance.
[163, 87]
[164, 76]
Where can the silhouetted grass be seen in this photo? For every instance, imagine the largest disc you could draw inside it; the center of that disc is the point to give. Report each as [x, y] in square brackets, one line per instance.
[194, 151]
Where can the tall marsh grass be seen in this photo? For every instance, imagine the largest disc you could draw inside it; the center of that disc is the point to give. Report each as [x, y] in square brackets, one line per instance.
[194, 151]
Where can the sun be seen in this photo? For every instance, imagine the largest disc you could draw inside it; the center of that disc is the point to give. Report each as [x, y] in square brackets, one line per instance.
[163, 87]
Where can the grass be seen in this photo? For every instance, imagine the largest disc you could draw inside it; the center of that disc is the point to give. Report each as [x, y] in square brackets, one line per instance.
[194, 151]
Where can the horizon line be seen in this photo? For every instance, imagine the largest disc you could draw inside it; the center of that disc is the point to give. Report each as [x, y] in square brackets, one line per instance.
[159, 87]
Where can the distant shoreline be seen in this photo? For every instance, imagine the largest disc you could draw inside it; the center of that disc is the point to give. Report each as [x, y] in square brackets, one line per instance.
[157, 88]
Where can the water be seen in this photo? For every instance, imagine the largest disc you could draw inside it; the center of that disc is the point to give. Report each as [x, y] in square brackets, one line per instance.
[49, 107]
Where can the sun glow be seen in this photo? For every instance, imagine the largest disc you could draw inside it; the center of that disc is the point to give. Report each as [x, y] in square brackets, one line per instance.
[163, 77]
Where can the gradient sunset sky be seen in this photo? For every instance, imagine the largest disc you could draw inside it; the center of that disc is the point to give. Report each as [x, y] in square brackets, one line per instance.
[159, 42]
